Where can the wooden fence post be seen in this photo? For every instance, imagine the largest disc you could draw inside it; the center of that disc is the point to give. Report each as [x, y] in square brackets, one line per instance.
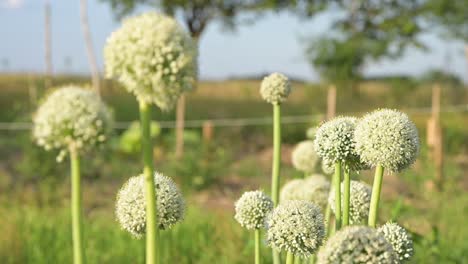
[207, 131]
[180, 120]
[435, 137]
[331, 102]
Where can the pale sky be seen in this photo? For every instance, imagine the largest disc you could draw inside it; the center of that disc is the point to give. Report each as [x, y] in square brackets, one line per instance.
[271, 44]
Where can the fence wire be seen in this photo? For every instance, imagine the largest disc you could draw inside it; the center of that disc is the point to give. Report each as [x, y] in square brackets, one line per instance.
[238, 122]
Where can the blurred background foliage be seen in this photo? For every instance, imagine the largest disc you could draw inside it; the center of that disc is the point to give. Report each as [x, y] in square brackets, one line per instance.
[34, 189]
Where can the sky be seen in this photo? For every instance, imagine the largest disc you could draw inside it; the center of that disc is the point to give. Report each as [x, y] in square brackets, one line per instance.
[273, 43]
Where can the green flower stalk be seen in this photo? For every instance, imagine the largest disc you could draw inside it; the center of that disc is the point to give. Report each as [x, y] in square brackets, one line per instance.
[335, 144]
[131, 204]
[356, 244]
[399, 239]
[155, 59]
[274, 89]
[387, 140]
[360, 196]
[152, 245]
[252, 209]
[73, 120]
[295, 227]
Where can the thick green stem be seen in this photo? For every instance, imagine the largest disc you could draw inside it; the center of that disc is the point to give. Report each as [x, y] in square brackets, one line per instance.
[337, 183]
[257, 246]
[376, 188]
[276, 153]
[152, 232]
[275, 181]
[347, 195]
[312, 259]
[76, 211]
[290, 258]
[328, 219]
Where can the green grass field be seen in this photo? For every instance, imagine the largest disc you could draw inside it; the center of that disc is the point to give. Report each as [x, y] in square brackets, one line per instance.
[34, 189]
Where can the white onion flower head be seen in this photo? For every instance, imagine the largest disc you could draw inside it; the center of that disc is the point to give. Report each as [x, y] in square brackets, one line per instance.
[387, 138]
[314, 189]
[252, 209]
[356, 244]
[399, 239]
[310, 133]
[275, 88]
[296, 227]
[334, 142]
[304, 157]
[327, 167]
[153, 57]
[71, 117]
[359, 201]
[130, 206]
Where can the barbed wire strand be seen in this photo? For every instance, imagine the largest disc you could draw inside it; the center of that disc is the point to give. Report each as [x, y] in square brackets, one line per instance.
[238, 122]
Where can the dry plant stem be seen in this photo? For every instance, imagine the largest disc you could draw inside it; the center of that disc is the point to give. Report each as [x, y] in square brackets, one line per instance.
[376, 188]
[78, 251]
[152, 233]
[276, 164]
[347, 194]
[257, 246]
[289, 258]
[337, 183]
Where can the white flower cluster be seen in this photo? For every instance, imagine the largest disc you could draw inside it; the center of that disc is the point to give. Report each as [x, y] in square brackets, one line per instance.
[399, 239]
[356, 244]
[296, 227]
[252, 209]
[310, 133]
[314, 189]
[153, 57]
[334, 142]
[275, 88]
[327, 167]
[71, 117]
[387, 138]
[359, 201]
[131, 204]
[304, 157]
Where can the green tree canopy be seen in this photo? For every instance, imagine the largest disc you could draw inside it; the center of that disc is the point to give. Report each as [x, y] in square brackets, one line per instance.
[197, 14]
[451, 15]
[365, 30]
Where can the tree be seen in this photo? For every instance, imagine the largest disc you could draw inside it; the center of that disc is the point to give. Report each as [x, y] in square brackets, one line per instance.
[367, 31]
[89, 46]
[451, 16]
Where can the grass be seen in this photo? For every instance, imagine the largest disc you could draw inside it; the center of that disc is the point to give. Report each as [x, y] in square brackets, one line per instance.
[34, 189]
[33, 235]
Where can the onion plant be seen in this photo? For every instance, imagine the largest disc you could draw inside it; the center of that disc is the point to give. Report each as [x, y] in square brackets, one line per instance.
[387, 140]
[155, 59]
[252, 209]
[295, 227]
[357, 244]
[400, 240]
[334, 143]
[73, 120]
[304, 158]
[275, 89]
[131, 204]
[359, 201]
